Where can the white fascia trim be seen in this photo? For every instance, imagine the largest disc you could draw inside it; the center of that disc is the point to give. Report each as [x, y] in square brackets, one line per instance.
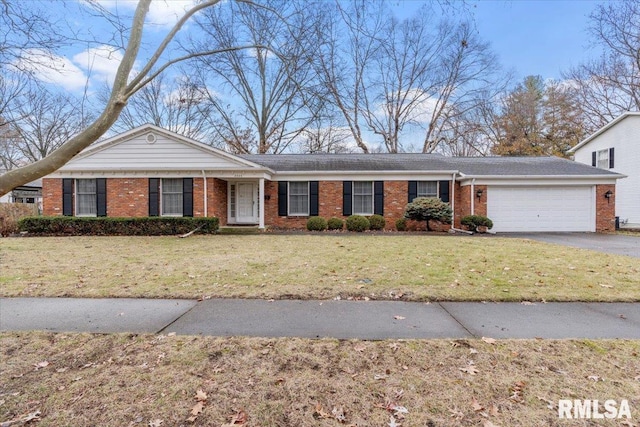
[163, 173]
[608, 177]
[363, 175]
[602, 130]
[555, 181]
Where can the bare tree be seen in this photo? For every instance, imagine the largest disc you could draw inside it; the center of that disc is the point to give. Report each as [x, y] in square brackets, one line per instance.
[610, 85]
[347, 40]
[325, 136]
[178, 105]
[43, 121]
[269, 84]
[125, 85]
[10, 154]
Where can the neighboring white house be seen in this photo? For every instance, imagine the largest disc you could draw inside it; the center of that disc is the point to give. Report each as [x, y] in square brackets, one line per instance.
[616, 147]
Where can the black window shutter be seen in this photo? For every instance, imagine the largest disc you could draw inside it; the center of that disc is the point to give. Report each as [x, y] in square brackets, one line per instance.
[283, 209]
[413, 190]
[314, 208]
[593, 158]
[443, 191]
[346, 198]
[154, 196]
[611, 158]
[378, 197]
[101, 196]
[67, 196]
[187, 197]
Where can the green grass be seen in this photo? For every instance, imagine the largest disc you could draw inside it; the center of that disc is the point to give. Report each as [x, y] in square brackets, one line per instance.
[414, 267]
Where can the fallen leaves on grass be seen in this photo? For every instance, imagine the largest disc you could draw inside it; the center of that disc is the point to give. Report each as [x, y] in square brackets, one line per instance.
[517, 391]
[22, 419]
[156, 423]
[201, 400]
[489, 340]
[41, 365]
[239, 419]
[471, 370]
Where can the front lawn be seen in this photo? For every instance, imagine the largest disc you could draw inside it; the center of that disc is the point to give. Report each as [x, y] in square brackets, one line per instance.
[158, 380]
[408, 267]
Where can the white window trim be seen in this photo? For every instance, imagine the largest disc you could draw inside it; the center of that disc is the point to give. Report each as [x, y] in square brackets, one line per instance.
[174, 215]
[437, 194]
[353, 198]
[289, 200]
[77, 205]
[598, 159]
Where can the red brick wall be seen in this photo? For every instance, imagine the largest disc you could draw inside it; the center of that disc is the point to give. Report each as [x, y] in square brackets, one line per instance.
[51, 196]
[605, 209]
[463, 202]
[217, 199]
[127, 197]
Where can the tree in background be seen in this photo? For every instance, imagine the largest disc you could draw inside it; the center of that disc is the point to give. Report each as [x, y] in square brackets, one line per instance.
[176, 104]
[270, 84]
[537, 118]
[610, 85]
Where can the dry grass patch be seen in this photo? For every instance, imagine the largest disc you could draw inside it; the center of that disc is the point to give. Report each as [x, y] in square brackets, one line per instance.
[131, 380]
[314, 266]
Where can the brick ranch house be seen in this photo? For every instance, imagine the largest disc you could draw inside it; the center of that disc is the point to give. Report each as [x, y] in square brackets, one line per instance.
[149, 171]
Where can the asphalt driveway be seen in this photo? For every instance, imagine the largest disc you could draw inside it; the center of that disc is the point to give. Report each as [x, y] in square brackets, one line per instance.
[616, 244]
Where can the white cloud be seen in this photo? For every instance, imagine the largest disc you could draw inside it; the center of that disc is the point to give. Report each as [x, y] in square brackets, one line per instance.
[162, 13]
[57, 70]
[101, 63]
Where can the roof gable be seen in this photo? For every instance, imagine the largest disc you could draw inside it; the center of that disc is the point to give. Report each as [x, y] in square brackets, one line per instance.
[149, 147]
[603, 129]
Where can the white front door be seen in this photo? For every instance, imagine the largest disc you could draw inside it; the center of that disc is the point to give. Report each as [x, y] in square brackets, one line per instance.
[247, 208]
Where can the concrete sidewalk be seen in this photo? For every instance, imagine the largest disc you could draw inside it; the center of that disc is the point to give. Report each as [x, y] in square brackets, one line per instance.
[371, 320]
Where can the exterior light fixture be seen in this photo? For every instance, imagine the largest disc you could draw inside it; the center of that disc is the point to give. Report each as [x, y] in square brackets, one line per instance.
[608, 195]
[479, 193]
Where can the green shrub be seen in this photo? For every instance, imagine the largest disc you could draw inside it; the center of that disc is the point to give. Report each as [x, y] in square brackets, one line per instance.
[428, 208]
[357, 223]
[316, 223]
[111, 226]
[401, 224]
[335, 224]
[377, 222]
[475, 221]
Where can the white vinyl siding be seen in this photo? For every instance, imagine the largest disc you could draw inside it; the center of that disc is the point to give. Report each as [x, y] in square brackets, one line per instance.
[86, 197]
[603, 159]
[299, 198]
[427, 189]
[363, 198]
[171, 196]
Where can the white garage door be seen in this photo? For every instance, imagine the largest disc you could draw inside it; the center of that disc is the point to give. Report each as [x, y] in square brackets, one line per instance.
[541, 208]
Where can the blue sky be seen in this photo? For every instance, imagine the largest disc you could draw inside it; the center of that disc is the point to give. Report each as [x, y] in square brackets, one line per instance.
[536, 37]
[532, 37]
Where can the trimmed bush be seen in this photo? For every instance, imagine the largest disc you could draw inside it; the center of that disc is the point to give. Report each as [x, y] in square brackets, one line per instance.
[475, 221]
[316, 223]
[357, 223]
[108, 226]
[428, 208]
[401, 224]
[335, 224]
[377, 222]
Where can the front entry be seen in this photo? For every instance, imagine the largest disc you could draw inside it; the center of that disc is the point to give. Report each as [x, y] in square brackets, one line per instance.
[246, 203]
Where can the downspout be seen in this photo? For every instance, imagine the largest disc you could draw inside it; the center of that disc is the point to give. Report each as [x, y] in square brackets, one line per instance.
[204, 178]
[473, 192]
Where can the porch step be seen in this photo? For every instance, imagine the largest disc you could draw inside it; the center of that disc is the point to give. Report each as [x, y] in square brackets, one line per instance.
[239, 229]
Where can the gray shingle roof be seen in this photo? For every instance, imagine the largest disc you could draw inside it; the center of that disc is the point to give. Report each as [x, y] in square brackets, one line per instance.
[471, 166]
[351, 162]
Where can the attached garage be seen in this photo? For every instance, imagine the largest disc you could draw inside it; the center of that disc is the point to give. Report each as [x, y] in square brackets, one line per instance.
[541, 208]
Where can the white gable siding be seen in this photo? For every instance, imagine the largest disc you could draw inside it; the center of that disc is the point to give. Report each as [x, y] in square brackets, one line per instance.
[624, 137]
[164, 154]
